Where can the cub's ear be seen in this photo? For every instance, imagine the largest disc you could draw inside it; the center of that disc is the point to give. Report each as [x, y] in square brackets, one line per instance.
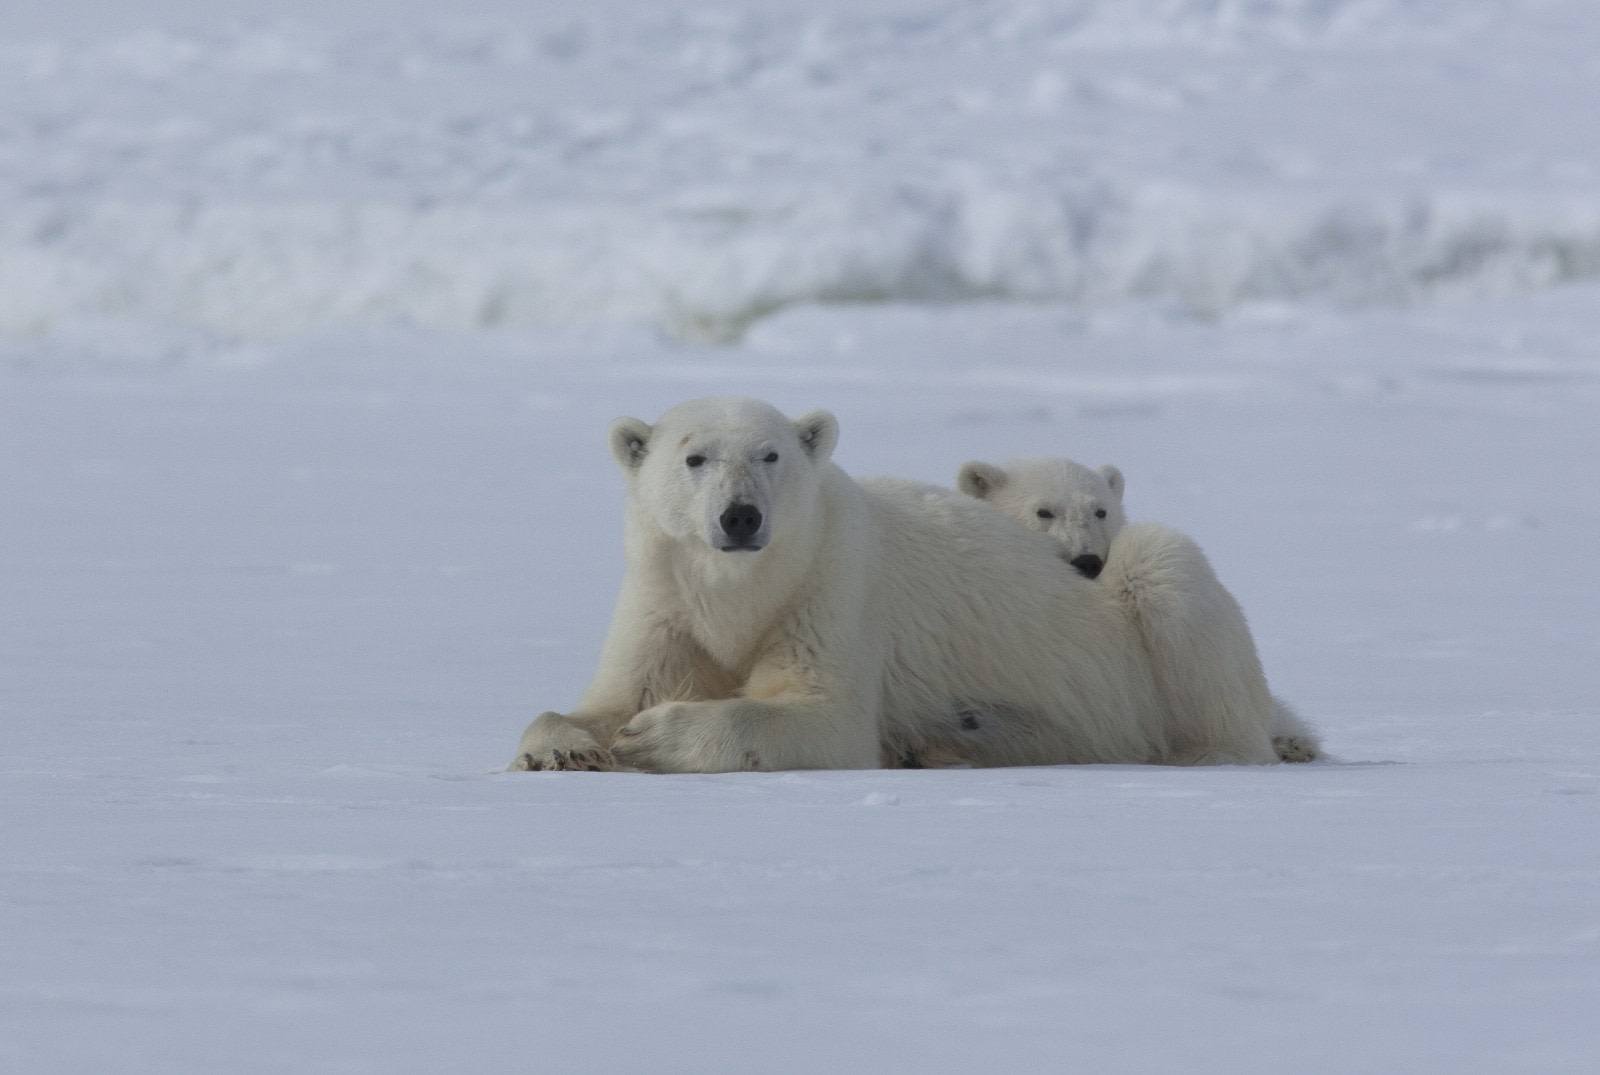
[818, 432]
[630, 442]
[1113, 478]
[981, 480]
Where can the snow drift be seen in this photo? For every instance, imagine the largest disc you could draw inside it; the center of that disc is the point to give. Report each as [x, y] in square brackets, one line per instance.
[697, 170]
[706, 271]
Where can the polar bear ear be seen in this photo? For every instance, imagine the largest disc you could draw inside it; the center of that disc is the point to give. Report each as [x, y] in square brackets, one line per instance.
[1113, 478]
[981, 480]
[818, 432]
[630, 442]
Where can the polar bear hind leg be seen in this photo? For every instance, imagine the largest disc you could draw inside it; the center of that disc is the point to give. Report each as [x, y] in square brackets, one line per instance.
[1219, 710]
[1292, 737]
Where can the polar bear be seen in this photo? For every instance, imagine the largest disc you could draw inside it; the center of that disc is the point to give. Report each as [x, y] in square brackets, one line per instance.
[777, 614]
[1206, 662]
[1079, 508]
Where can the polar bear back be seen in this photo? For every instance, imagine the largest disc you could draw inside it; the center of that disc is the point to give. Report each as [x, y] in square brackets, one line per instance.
[994, 651]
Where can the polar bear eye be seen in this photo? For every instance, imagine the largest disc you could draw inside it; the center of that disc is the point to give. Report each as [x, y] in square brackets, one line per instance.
[1099, 513]
[696, 461]
[1045, 513]
[772, 457]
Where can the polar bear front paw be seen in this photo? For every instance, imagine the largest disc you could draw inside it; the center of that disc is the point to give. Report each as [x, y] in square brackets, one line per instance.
[673, 738]
[555, 742]
[569, 761]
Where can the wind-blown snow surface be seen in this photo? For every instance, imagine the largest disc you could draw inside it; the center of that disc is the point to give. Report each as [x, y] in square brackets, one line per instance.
[699, 167]
[293, 542]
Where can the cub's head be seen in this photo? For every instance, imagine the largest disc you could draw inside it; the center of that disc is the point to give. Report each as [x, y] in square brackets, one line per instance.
[1079, 507]
[725, 474]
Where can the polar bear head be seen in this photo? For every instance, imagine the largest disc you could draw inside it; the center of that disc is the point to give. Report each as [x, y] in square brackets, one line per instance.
[724, 474]
[1080, 508]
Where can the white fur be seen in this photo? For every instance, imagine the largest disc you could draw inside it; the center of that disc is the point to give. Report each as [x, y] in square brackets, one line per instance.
[1209, 674]
[879, 621]
[1080, 508]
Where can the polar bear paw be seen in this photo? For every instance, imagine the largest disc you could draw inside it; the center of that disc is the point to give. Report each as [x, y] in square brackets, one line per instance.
[647, 741]
[567, 761]
[557, 743]
[684, 737]
[1295, 748]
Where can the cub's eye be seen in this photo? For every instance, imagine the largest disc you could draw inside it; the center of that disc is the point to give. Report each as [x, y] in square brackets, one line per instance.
[1045, 513]
[1099, 513]
[696, 461]
[772, 457]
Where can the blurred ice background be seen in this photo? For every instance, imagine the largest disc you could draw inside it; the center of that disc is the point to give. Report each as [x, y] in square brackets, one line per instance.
[697, 167]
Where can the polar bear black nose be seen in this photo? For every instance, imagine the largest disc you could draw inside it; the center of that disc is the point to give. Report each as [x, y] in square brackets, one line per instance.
[741, 521]
[1088, 564]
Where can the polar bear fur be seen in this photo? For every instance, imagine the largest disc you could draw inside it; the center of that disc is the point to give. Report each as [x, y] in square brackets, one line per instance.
[1080, 509]
[1206, 664]
[776, 614]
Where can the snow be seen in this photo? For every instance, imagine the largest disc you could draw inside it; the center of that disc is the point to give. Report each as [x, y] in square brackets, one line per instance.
[310, 324]
[696, 168]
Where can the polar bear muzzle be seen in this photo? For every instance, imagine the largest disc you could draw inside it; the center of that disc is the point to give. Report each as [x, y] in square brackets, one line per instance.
[1088, 564]
[742, 525]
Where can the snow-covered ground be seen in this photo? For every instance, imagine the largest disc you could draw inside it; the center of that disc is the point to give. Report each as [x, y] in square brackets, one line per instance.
[310, 324]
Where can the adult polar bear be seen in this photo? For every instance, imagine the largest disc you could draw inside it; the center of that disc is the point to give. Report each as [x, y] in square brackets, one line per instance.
[776, 614]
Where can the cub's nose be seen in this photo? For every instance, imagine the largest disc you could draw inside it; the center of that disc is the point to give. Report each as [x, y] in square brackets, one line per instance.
[740, 522]
[1088, 564]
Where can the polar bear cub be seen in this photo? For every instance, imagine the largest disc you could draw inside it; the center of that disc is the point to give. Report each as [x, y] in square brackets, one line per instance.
[776, 613]
[1079, 508]
[1206, 662]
